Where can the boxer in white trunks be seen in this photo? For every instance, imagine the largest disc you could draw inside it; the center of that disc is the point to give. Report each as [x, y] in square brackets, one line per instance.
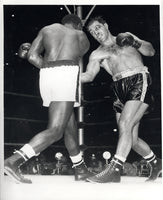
[56, 51]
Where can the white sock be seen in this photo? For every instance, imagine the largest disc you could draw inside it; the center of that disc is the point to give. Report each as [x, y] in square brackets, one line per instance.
[120, 158]
[28, 151]
[76, 159]
[149, 155]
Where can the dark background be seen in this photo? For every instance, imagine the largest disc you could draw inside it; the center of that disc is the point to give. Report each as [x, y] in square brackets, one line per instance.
[24, 115]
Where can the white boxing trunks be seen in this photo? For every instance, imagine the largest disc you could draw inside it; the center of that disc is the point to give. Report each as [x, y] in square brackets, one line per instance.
[59, 81]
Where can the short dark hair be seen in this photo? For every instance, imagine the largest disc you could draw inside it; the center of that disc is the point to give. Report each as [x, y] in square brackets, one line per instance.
[72, 19]
[98, 18]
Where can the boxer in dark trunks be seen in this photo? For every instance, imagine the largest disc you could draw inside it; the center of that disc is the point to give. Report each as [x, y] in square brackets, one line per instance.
[56, 51]
[121, 57]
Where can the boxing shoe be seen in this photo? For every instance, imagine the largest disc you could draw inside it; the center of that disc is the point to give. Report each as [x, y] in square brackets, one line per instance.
[111, 173]
[12, 168]
[155, 169]
[82, 172]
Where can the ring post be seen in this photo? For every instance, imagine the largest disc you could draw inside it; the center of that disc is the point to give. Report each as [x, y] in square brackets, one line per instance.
[81, 108]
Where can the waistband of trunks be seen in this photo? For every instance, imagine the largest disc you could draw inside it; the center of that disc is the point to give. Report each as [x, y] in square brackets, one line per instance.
[130, 72]
[59, 63]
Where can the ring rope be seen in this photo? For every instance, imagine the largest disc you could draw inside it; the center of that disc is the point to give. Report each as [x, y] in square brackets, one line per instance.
[84, 123]
[23, 119]
[38, 97]
[21, 144]
[62, 146]
[43, 121]
[22, 95]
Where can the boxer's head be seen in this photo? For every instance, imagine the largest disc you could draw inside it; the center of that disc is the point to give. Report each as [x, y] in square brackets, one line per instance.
[98, 28]
[72, 19]
[98, 19]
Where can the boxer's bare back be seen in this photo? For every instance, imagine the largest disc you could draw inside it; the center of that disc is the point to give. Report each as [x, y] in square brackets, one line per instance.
[59, 42]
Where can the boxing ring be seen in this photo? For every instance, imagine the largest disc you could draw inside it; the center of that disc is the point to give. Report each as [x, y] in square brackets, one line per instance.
[64, 187]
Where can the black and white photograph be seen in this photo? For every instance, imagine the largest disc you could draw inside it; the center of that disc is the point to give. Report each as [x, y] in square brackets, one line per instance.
[81, 100]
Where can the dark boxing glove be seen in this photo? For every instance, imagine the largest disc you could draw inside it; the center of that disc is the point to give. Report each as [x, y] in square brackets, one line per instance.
[124, 39]
[23, 50]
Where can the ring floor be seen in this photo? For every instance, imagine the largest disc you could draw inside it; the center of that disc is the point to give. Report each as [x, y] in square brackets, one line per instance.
[60, 187]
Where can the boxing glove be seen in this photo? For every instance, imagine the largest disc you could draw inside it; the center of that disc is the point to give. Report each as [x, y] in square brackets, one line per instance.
[124, 39]
[23, 50]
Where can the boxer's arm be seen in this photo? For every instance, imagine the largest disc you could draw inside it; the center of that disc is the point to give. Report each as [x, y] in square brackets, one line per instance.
[92, 70]
[146, 48]
[34, 54]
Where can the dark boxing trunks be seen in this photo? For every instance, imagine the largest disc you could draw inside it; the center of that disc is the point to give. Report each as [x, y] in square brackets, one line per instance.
[128, 87]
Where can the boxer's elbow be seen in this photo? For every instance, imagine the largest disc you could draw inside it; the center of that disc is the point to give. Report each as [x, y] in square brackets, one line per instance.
[86, 78]
[31, 58]
[147, 50]
[151, 50]
[152, 53]
[91, 78]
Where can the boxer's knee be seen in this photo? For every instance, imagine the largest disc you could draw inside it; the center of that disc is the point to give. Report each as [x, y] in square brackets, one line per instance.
[56, 131]
[124, 126]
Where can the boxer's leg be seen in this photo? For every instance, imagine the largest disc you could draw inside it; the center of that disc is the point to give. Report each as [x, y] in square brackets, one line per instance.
[143, 149]
[72, 144]
[126, 123]
[59, 114]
